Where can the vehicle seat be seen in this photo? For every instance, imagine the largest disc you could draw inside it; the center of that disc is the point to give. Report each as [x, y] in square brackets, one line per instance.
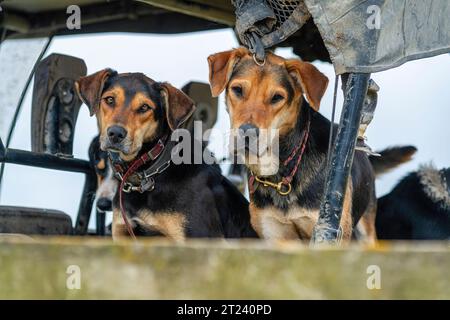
[33, 221]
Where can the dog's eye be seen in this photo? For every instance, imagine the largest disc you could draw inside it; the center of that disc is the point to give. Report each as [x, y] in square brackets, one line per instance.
[110, 101]
[144, 108]
[276, 98]
[237, 90]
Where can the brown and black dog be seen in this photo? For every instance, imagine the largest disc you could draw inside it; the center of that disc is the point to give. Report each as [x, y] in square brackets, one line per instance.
[285, 204]
[136, 116]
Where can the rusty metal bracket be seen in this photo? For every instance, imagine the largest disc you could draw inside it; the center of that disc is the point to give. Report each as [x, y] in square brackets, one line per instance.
[370, 104]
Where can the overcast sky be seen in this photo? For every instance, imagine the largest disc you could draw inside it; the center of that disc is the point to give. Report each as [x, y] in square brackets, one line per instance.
[413, 107]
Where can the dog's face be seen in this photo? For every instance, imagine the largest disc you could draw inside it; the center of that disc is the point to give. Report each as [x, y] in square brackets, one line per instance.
[132, 109]
[106, 183]
[268, 97]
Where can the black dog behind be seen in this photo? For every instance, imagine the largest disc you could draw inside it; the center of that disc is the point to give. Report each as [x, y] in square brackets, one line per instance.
[136, 116]
[106, 183]
[417, 208]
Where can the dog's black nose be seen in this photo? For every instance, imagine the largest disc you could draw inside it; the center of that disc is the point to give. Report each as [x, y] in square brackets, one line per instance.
[249, 130]
[104, 204]
[248, 135]
[116, 134]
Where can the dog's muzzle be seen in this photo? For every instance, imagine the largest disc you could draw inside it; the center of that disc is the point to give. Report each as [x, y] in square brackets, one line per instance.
[116, 140]
[248, 138]
[116, 134]
[104, 204]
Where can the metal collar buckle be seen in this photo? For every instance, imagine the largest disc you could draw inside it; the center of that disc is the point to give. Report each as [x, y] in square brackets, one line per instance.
[156, 151]
[259, 62]
[158, 170]
[282, 187]
[256, 46]
[127, 187]
[147, 184]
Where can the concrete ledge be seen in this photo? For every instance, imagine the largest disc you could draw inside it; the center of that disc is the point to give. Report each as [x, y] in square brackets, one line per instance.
[156, 269]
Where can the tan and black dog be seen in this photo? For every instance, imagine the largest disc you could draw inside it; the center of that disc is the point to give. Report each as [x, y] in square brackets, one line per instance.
[136, 117]
[285, 204]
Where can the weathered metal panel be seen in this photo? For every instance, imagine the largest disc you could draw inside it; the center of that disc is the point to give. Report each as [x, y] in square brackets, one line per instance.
[408, 30]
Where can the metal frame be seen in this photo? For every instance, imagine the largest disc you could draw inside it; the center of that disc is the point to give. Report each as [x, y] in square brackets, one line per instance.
[22, 98]
[341, 158]
[48, 161]
[327, 228]
[117, 16]
[100, 222]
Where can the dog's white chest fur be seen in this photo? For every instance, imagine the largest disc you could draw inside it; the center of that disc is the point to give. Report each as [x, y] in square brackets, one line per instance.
[298, 222]
[272, 223]
[170, 224]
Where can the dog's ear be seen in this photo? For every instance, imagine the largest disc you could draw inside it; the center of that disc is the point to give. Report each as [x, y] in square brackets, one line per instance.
[178, 106]
[312, 81]
[90, 88]
[220, 68]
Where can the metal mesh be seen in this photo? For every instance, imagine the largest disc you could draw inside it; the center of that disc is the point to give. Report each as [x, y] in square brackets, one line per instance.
[261, 24]
[283, 8]
[238, 4]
